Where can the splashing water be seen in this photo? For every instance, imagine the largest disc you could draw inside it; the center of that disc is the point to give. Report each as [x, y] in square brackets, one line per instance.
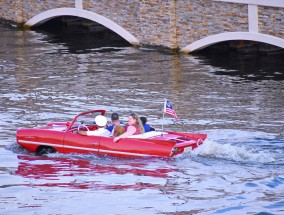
[232, 152]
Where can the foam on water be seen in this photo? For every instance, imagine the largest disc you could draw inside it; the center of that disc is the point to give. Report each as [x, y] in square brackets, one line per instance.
[232, 152]
[239, 146]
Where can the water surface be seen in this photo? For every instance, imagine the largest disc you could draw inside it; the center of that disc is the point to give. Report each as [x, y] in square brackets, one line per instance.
[236, 98]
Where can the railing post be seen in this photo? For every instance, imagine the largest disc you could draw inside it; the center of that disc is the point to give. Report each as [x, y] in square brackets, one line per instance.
[253, 18]
[79, 4]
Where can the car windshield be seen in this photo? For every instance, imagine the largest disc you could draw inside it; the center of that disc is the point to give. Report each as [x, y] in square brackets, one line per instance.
[87, 119]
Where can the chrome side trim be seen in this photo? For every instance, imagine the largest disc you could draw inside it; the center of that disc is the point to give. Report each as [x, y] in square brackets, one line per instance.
[57, 145]
[39, 143]
[87, 149]
[126, 153]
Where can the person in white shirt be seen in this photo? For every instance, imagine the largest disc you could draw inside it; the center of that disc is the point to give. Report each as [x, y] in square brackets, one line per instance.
[101, 122]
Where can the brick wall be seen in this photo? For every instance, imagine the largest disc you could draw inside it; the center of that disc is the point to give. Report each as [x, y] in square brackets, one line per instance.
[198, 19]
[168, 23]
[20, 11]
[271, 21]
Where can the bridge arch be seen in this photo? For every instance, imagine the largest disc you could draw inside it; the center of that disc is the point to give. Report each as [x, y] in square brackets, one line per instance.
[251, 36]
[50, 14]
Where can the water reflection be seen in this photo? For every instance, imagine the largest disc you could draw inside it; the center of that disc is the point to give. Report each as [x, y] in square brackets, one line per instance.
[252, 66]
[85, 174]
[46, 78]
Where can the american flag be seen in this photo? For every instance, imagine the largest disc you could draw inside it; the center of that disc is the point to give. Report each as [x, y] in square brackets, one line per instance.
[168, 109]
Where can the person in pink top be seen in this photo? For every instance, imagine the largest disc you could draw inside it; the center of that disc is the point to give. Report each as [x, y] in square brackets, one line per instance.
[134, 127]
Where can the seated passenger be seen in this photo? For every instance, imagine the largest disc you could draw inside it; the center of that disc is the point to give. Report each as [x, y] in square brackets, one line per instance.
[115, 121]
[118, 130]
[147, 127]
[101, 122]
[134, 127]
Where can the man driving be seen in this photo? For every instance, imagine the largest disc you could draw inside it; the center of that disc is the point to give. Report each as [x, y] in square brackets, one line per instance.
[101, 122]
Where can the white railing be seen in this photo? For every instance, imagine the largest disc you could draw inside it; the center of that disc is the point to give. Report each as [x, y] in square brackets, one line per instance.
[253, 10]
[79, 4]
[269, 3]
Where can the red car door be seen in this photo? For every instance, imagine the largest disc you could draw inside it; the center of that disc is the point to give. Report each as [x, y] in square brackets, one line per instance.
[76, 143]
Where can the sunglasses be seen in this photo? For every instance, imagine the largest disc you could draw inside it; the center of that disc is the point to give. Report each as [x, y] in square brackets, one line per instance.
[134, 115]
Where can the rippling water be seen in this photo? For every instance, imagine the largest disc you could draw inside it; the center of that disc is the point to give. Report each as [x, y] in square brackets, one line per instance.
[236, 98]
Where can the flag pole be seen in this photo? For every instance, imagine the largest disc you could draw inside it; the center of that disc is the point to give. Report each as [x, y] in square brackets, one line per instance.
[163, 123]
[163, 116]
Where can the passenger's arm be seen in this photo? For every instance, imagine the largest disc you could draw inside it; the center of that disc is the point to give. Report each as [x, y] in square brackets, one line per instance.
[88, 133]
[130, 131]
[82, 132]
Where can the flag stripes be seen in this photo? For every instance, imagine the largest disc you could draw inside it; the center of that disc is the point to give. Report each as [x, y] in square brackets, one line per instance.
[168, 109]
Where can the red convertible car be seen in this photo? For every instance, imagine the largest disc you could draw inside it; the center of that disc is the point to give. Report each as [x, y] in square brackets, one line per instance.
[63, 137]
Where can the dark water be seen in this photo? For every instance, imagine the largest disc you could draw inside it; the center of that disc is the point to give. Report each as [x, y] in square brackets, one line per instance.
[236, 98]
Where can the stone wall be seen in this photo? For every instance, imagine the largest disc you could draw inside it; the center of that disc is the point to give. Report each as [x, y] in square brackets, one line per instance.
[158, 23]
[152, 22]
[20, 11]
[201, 18]
[271, 21]
[123, 12]
[168, 23]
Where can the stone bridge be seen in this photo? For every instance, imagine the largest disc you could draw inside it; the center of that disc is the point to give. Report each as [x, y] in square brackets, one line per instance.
[185, 25]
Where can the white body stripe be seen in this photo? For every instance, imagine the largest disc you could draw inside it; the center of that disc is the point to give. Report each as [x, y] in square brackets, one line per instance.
[86, 148]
